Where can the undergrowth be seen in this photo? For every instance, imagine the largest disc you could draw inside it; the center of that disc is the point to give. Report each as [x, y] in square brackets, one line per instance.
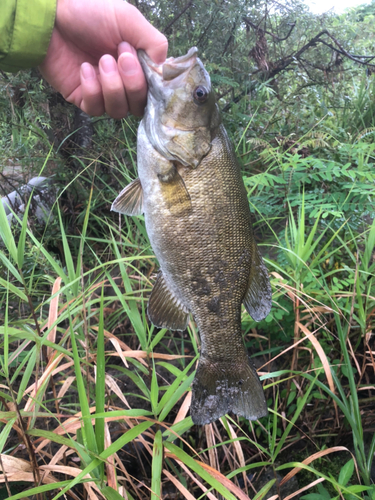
[95, 400]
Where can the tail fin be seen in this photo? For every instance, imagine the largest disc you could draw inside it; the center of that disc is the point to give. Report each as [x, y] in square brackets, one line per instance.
[220, 387]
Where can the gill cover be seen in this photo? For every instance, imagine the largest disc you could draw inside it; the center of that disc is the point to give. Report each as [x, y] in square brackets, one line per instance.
[181, 111]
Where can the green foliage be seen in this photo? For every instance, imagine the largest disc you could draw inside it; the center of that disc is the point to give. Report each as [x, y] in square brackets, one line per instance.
[343, 489]
[341, 188]
[75, 338]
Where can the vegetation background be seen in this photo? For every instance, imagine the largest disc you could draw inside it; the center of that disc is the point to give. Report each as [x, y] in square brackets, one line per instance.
[94, 400]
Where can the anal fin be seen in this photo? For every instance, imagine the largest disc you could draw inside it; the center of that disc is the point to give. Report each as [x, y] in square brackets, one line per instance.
[164, 309]
[130, 200]
[258, 298]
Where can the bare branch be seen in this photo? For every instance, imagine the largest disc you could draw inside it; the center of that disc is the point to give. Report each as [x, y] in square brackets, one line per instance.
[273, 69]
[275, 37]
[342, 51]
[286, 61]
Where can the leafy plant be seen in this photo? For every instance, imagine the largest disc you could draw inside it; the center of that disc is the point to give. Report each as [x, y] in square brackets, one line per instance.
[98, 397]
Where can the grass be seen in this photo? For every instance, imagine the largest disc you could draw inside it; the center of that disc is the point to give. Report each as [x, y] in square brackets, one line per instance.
[95, 400]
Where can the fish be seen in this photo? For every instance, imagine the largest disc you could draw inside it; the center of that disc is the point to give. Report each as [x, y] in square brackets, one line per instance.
[197, 216]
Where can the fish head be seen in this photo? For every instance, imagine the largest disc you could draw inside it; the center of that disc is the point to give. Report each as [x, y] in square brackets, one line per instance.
[181, 111]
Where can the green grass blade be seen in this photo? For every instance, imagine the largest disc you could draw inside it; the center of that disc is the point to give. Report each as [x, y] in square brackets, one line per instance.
[5, 357]
[175, 384]
[27, 375]
[56, 438]
[317, 473]
[371, 452]
[266, 488]
[136, 378]
[154, 391]
[6, 234]
[274, 425]
[246, 128]
[343, 334]
[40, 489]
[346, 472]
[300, 232]
[5, 432]
[300, 406]
[10, 267]
[22, 236]
[12, 288]
[130, 435]
[174, 397]
[111, 494]
[198, 469]
[178, 429]
[369, 246]
[68, 258]
[312, 241]
[100, 381]
[83, 234]
[131, 306]
[134, 413]
[157, 465]
[22, 363]
[50, 259]
[87, 429]
[157, 338]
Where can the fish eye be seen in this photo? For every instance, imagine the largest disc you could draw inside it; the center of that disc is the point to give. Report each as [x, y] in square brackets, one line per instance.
[200, 94]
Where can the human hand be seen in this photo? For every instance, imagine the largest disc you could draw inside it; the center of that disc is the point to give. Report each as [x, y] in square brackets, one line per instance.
[92, 57]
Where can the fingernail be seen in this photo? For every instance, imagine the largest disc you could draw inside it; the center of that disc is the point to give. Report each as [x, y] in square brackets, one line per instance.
[107, 64]
[87, 71]
[124, 47]
[128, 64]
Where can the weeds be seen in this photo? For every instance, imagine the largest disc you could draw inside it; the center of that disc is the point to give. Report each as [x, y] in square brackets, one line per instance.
[68, 367]
[95, 400]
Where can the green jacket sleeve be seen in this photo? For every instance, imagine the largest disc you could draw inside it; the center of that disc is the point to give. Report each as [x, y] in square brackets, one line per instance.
[25, 32]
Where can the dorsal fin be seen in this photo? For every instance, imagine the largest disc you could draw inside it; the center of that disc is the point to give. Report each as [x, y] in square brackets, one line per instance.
[164, 309]
[258, 298]
[130, 200]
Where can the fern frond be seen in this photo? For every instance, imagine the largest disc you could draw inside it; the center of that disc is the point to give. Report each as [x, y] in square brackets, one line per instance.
[256, 142]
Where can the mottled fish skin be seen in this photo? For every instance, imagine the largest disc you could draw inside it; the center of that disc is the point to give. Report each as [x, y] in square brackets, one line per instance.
[198, 220]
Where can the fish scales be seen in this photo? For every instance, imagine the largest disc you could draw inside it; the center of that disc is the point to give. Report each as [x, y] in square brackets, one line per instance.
[197, 216]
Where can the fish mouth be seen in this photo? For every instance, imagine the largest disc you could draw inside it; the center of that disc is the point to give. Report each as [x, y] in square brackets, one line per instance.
[172, 68]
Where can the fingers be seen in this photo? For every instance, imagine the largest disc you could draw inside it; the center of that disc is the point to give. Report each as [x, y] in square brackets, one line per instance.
[133, 78]
[103, 92]
[120, 87]
[117, 88]
[114, 95]
[92, 97]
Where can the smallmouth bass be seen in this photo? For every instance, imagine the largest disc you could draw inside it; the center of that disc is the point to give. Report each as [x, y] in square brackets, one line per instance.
[197, 215]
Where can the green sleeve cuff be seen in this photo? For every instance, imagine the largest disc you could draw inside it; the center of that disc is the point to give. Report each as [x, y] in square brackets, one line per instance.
[27, 44]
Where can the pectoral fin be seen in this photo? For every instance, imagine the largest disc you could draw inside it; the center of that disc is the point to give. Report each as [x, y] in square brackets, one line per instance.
[258, 298]
[164, 309]
[175, 194]
[130, 200]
